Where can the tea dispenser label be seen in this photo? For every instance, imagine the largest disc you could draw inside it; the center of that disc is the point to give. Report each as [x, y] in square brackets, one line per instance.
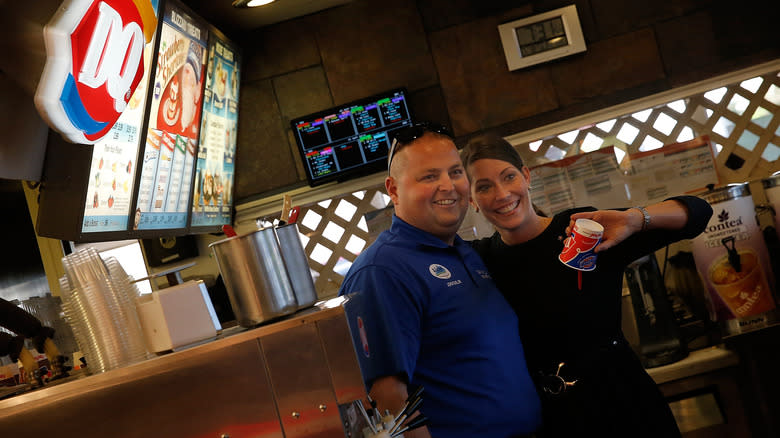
[733, 261]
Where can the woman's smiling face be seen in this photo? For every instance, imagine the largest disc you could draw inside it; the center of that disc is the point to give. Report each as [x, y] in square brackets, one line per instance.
[500, 190]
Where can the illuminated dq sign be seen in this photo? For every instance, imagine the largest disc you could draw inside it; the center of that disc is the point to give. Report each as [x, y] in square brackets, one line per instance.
[94, 62]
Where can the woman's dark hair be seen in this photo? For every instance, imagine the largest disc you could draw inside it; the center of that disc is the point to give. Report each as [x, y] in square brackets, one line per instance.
[490, 146]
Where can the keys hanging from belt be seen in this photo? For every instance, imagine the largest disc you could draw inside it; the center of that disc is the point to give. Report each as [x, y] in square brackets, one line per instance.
[555, 384]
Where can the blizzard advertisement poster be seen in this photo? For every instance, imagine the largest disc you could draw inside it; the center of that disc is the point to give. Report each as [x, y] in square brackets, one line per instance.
[114, 157]
[213, 185]
[174, 118]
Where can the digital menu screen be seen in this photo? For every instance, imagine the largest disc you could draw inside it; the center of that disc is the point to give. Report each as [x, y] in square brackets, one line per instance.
[212, 190]
[351, 140]
[165, 182]
[114, 158]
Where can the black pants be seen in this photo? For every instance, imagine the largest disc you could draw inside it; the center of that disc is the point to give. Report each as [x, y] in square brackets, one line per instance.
[613, 397]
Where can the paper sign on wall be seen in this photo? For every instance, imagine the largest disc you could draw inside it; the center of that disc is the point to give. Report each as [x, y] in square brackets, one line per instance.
[642, 178]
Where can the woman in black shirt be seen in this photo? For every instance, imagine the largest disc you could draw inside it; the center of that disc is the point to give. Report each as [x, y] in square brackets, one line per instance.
[568, 320]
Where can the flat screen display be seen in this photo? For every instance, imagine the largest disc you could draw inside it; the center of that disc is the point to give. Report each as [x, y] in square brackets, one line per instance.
[350, 140]
[113, 166]
[165, 183]
[212, 200]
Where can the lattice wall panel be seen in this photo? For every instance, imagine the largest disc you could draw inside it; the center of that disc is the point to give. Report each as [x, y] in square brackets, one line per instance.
[334, 232]
[741, 120]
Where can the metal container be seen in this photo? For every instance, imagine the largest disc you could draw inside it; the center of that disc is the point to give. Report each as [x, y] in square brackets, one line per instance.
[772, 192]
[660, 342]
[297, 265]
[732, 259]
[295, 378]
[255, 277]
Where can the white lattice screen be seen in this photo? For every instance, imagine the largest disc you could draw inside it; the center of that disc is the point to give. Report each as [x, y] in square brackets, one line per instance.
[741, 119]
[334, 232]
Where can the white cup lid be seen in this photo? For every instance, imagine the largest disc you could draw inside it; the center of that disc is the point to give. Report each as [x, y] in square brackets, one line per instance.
[589, 227]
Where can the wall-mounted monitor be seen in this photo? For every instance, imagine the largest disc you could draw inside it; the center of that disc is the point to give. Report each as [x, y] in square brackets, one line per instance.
[114, 158]
[352, 139]
[164, 189]
[88, 196]
[139, 180]
[212, 189]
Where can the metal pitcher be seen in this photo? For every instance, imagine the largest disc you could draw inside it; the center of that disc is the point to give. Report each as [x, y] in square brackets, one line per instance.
[255, 277]
[297, 264]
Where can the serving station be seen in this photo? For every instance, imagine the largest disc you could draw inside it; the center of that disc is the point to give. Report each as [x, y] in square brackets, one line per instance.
[294, 377]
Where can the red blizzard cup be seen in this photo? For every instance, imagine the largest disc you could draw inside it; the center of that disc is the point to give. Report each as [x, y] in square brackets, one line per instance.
[577, 250]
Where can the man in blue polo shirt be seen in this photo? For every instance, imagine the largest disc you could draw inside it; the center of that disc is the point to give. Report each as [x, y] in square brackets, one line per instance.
[429, 314]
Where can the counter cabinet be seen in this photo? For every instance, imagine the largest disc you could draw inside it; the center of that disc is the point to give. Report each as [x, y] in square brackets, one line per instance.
[293, 378]
[712, 394]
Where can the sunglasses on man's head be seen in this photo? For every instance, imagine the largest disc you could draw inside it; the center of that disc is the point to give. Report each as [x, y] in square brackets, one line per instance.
[408, 134]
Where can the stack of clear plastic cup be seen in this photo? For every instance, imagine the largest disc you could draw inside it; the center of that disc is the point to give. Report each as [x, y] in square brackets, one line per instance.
[126, 292]
[99, 303]
[48, 310]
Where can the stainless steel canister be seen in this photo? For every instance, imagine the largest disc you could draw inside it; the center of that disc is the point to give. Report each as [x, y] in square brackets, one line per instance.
[772, 192]
[255, 277]
[297, 265]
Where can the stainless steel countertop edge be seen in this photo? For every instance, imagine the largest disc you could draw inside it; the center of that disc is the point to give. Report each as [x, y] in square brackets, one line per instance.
[697, 362]
[167, 362]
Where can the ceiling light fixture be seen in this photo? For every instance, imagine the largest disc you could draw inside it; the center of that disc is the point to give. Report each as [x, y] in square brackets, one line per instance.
[250, 3]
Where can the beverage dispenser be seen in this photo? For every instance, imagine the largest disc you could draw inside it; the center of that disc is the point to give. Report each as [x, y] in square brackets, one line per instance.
[733, 261]
[660, 342]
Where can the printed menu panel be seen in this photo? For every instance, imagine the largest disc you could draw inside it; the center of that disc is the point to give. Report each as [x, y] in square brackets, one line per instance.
[586, 179]
[674, 169]
[642, 178]
[114, 158]
[174, 122]
[213, 183]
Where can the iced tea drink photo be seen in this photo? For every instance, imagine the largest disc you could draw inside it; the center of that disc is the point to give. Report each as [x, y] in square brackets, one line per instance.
[745, 291]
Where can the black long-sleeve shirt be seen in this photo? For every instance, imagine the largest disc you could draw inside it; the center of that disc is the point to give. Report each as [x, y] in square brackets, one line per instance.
[558, 322]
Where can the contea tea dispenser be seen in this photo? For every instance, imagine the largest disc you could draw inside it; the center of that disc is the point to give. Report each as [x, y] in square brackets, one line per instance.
[732, 259]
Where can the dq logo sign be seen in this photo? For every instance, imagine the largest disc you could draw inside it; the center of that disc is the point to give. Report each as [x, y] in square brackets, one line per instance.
[94, 63]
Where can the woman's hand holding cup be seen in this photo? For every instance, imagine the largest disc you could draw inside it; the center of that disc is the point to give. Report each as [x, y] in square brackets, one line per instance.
[618, 225]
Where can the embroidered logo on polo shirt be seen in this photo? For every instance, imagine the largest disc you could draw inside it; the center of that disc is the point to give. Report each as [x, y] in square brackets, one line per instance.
[484, 274]
[439, 271]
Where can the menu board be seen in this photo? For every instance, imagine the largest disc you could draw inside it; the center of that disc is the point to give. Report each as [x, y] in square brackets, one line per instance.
[585, 179]
[164, 186]
[352, 139]
[114, 158]
[643, 178]
[212, 191]
[674, 169]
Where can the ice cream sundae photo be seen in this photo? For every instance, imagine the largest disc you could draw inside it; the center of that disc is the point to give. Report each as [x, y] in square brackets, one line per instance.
[234, 84]
[208, 189]
[221, 84]
[217, 189]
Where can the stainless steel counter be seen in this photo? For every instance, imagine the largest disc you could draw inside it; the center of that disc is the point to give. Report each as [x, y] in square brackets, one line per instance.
[291, 378]
[284, 379]
[697, 362]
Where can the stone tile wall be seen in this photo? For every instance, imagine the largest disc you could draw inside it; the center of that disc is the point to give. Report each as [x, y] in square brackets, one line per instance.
[449, 56]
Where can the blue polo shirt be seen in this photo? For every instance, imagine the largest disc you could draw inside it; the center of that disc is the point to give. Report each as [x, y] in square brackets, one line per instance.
[430, 313]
